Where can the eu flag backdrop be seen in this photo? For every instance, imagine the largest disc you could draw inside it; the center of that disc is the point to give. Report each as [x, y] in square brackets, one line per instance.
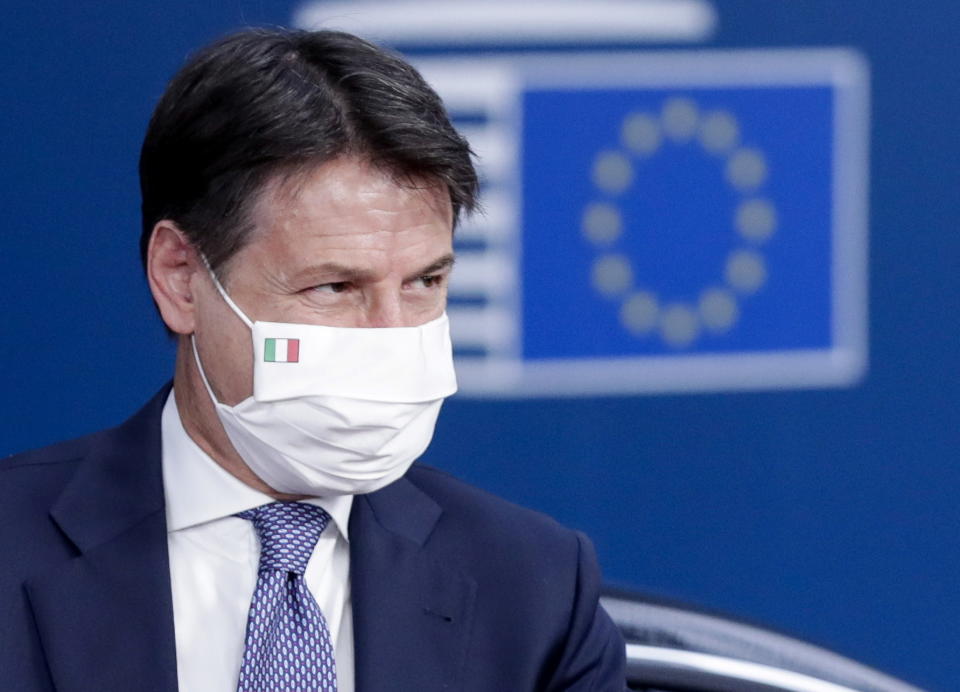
[662, 222]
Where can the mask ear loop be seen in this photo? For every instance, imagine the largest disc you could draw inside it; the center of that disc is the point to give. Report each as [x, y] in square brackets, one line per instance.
[237, 311]
[203, 375]
[223, 294]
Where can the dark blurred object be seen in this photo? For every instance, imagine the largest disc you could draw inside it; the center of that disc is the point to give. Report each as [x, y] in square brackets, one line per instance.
[676, 648]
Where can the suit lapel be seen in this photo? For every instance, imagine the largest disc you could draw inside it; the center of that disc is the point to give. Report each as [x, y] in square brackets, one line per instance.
[411, 614]
[105, 618]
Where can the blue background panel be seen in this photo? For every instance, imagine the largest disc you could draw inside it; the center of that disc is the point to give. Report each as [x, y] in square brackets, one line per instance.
[678, 214]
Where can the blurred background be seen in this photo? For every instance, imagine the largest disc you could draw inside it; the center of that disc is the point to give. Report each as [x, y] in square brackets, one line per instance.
[709, 317]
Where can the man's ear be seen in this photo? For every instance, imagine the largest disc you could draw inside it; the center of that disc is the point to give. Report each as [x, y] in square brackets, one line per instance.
[171, 263]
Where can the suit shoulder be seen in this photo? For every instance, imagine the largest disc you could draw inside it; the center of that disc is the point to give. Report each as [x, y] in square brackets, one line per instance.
[30, 483]
[68, 451]
[30, 480]
[457, 495]
[72, 451]
[492, 519]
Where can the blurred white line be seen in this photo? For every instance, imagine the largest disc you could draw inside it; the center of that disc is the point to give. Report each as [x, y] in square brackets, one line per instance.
[673, 69]
[730, 669]
[488, 274]
[490, 328]
[495, 149]
[498, 221]
[490, 89]
[701, 373]
[421, 22]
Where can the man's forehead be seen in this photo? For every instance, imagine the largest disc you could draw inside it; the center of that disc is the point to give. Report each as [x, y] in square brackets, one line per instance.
[348, 186]
[343, 218]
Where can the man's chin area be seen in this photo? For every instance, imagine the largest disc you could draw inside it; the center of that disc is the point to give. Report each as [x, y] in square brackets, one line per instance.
[285, 497]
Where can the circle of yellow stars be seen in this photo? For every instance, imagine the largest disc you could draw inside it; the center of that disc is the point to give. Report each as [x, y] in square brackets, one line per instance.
[717, 308]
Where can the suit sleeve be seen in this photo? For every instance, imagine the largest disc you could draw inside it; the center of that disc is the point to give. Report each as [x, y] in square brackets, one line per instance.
[593, 656]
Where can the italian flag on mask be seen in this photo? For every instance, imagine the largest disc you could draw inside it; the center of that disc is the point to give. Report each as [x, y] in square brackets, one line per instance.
[281, 350]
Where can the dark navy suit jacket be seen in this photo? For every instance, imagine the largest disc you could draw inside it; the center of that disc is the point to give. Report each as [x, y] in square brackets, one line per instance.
[452, 588]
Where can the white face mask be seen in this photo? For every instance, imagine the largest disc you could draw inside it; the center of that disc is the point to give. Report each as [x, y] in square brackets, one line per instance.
[338, 410]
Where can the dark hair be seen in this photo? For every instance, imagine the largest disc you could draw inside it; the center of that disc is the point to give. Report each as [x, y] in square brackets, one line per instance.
[265, 102]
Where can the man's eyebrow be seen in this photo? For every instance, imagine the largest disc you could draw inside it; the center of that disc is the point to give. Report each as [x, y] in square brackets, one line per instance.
[439, 265]
[345, 272]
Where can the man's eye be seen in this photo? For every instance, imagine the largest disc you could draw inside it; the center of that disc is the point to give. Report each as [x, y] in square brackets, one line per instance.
[335, 287]
[431, 280]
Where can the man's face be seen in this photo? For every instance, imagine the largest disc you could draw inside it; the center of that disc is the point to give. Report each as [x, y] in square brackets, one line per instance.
[343, 245]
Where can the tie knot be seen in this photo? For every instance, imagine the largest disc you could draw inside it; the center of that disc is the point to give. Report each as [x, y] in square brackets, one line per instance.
[288, 532]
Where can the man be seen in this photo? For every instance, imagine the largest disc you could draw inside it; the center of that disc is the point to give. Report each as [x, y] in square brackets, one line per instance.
[260, 526]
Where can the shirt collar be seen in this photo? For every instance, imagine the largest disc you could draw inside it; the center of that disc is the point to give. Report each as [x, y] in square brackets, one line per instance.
[199, 490]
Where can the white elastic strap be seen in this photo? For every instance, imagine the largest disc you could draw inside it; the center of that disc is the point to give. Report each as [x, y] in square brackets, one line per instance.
[203, 375]
[223, 294]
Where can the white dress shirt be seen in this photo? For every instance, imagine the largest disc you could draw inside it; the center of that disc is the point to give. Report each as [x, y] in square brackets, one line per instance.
[214, 558]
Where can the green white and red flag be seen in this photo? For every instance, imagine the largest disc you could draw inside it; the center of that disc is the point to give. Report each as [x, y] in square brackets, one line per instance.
[281, 350]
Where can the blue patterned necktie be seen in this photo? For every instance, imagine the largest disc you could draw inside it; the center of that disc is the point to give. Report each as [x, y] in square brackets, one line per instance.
[288, 644]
